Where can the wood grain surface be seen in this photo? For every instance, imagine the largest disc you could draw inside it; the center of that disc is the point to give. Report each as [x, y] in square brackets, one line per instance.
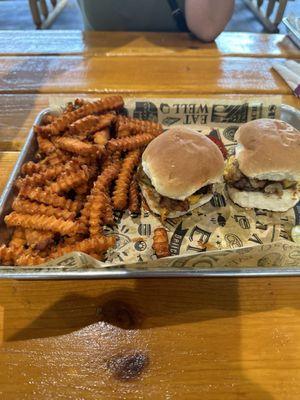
[145, 44]
[7, 162]
[72, 74]
[209, 339]
[213, 339]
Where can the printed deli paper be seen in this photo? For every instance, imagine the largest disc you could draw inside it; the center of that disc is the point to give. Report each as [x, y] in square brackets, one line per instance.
[218, 234]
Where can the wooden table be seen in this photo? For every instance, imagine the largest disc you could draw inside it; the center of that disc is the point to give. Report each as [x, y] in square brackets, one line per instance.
[141, 339]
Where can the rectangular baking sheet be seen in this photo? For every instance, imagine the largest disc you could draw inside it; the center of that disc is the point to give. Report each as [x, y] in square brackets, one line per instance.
[80, 266]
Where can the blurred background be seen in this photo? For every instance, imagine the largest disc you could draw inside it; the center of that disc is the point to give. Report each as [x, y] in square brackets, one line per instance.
[65, 14]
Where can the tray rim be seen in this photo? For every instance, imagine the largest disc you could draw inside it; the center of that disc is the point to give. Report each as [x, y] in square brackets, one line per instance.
[28, 273]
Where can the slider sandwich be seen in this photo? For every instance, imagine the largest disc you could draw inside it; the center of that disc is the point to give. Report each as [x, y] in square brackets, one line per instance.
[178, 171]
[265, 170]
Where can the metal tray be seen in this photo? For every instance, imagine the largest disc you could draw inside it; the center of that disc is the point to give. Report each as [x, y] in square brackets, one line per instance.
[288, 114]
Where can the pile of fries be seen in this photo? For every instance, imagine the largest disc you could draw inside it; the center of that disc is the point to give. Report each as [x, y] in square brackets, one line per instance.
[84, 169]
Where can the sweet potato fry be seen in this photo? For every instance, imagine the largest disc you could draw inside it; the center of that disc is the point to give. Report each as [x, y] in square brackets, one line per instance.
[40, 178]
[30, 258]
[108, 217]
[130, 143]
[96, 107]
[95, 244]
[44, 223]
[131, 126]
[97, 211]
[18, 239]
[76, 146]
[91, 124]
[7, 255]
[72, 177]
[82, 189]
[46, 196]
[134, 200]
[120, 195]
[38, 240]
[52, 159]
[33, 208]
[45, 145]
[161, 243]
[101, 137]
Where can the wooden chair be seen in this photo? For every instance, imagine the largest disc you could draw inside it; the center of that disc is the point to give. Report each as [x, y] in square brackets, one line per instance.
[264, 11]
[42, 16]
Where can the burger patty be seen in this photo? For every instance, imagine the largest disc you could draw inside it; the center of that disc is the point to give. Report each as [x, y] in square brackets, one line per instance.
[166, 202]
[174, 205]
[234, 176]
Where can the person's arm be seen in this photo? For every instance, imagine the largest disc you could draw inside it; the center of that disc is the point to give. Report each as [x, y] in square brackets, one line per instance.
[207, 18]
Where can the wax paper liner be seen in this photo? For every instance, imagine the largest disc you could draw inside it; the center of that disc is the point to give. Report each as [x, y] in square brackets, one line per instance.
[218, 234]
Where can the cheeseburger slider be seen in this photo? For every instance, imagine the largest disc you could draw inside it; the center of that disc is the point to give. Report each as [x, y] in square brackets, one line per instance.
[265, 171]
[178, 171]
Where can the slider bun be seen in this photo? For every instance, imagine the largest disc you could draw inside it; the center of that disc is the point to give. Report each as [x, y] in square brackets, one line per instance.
[269, 149]
[153, 205]
[261, 200]
[181, 161]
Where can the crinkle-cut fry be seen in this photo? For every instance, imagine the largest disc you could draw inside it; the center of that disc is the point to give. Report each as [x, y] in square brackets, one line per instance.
[44, 223]
[90, 159]
[82, 189]
[161, 243]
[134, 201]
[46, 196]
[130, 143]
[70, 240]
[108, 217]
[120, 195]
[7, 255]
[18, 239]
[76, 146]
[96, 244]
[65, 120]
[86, 210]
[131, 126]
[40, 178]
[38, 240]
[69, 107]
[91, 124]
[124, 132]
[45, 145]
[33, 208]
[30, 258]
[48, 119]
[52, 159]
[72, 177]
[97, 211]
[101, 184]
[79, 102]
[101, 138]
[58, 157]
[31, 168]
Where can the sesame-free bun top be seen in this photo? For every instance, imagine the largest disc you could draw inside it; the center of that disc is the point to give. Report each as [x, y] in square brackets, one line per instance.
[180, 161]
[269, 149]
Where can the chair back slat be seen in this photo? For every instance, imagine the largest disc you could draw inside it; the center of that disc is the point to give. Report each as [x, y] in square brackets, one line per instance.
[270, 7]
[44, 8]
[265, 10]
[44, 13]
